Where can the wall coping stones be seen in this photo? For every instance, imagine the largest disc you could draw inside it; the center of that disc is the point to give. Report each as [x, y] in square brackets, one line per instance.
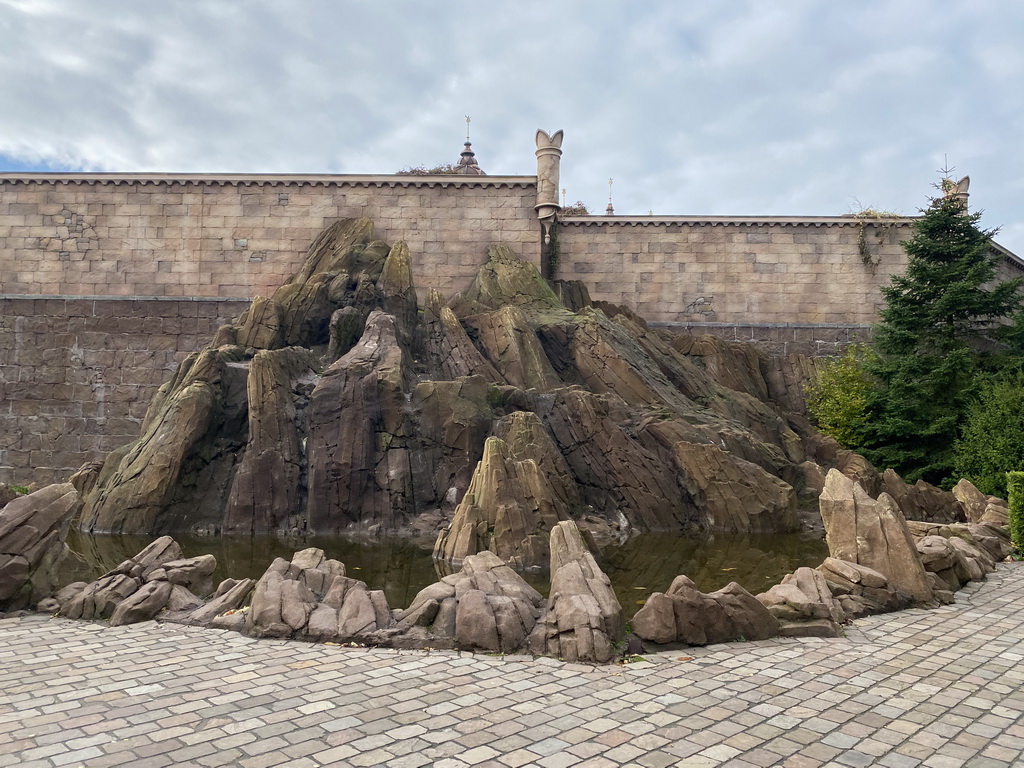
[72, 297]
[706, 324]
[269, 180]
[730, 221]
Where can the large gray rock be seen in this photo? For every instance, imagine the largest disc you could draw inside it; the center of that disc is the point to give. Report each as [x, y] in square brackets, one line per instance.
[584, 620]
[486, 606]
[872, 533]
[520, 490]
[804, 597]
[684, 614]
[32, 532]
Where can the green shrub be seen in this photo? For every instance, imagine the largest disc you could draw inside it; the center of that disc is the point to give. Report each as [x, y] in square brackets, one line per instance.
[991, 442]
[1015, 483]
[838, 398]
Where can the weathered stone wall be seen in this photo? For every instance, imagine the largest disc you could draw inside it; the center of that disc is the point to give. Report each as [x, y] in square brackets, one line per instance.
[807, 271]
[821, 271]
[241, 236]
[76, 375]
[77, 369]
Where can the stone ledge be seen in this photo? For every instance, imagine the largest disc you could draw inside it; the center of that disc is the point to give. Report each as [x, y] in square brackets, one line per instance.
[271, 180]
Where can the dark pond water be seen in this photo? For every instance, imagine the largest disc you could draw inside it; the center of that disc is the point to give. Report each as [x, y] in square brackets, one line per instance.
[402, 566]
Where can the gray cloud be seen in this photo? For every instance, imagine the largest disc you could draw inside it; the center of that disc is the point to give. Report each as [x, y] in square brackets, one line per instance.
[737, 107]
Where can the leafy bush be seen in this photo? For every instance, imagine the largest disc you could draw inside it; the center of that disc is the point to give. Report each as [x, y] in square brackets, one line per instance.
[444, 169]
[991, 442]
[1015, 483]
[838, 398]
[579, 208]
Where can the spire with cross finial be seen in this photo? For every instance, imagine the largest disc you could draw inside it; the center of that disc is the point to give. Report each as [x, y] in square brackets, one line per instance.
[467, 160]
[610, 211]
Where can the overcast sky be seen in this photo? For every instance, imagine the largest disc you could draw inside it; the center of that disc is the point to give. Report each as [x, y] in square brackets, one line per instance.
[727, 107]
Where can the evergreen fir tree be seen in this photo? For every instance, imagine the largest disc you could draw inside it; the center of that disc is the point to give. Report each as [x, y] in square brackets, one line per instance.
[938, 321]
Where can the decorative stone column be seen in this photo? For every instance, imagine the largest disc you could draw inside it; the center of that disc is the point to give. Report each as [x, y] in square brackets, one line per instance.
[549, 153]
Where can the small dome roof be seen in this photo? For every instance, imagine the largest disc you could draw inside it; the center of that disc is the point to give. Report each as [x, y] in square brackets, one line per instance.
[467, 165]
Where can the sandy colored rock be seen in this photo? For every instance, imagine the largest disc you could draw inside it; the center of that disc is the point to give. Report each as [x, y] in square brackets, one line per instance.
[32, 532]
[804, 596]
[520, 490]
[584, 620]
[973, 501]
[873, 533]
[860, 590]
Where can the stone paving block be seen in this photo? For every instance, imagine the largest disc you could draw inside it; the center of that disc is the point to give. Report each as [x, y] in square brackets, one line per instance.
[901, 690]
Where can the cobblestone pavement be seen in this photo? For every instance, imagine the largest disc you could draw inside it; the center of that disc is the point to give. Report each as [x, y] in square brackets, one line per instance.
[938, 688]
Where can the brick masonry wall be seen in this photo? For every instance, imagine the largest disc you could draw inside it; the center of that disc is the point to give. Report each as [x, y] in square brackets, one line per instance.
[808, 271]
[736, 272]
[243, 236]
[76, 375]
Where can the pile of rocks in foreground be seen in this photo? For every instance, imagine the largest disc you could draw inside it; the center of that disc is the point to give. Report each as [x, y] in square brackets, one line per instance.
[879, 562]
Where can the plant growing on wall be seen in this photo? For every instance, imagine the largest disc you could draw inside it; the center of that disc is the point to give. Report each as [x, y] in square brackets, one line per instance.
[444, 169]
[578, 208]
[883, 221]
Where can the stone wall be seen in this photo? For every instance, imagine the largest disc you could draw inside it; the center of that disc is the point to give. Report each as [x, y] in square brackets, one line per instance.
[241, 236]
[734, 270]
[781, 339]
[769, 272]
[107, 282]
[76, 374]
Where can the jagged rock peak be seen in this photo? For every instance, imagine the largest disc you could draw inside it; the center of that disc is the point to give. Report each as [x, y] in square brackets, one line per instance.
[520, 490]
[505, 279]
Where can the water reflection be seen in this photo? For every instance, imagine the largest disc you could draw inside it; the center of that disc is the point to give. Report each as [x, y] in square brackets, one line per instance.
[648, 563]
[402, 566]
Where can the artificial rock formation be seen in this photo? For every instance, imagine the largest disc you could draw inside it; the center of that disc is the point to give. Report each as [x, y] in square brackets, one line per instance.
[521, 489]
[861, 590]
[584, 620]
[156, 579]
[872, 533]
[486, 606]
[804, 605]
[311, 597]
[334, 406]
[32, 532]
[922, 501]
[686, 615]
